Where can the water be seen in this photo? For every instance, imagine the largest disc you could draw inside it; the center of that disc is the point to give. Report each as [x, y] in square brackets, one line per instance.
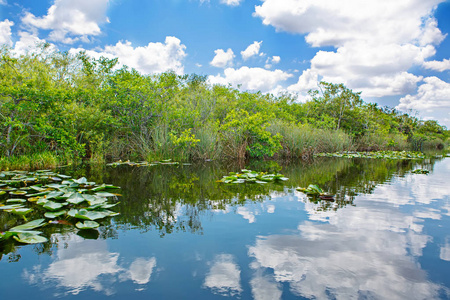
[182, 235]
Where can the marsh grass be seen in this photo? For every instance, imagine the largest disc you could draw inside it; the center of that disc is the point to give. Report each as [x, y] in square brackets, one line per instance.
[302, 141]
[35, 161]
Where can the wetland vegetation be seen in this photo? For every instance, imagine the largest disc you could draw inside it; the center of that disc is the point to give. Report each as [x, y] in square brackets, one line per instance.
[58, 108]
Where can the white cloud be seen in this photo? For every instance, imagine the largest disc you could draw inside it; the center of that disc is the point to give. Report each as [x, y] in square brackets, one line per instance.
[141, 270]
[222, 59]
[254, 79]
[440, 66]
[27, 43]
[276, 59]
[153, 58]
[272, 61]
[265, 288]
[251, 50]
[71, 20]
[376, 42]
[81, 265]
[231, 2]
[5, 32]
[433, 94]
[224, 277]
[246, 214]
[444, 253]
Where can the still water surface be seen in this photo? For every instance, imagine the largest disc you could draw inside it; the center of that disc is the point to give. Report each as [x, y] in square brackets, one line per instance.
[182, 235]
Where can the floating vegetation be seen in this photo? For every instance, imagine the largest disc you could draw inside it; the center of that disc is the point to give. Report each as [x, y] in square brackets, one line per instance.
[144, 163]
[378, 154]
[53, 196]
[251, 177]
[420, 171]
[314, 191]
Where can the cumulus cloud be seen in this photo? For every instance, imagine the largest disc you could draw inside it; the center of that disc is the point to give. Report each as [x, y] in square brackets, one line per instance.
[231, 2]
[222, 59]
[440, 66]
[376, 42]
[433, 94]
[5, 32]
[85, 264]
[224, 277]
[251, 50]
[153, 58]
[254, 79]
[27, 43]
[272, 61]
[71, 20]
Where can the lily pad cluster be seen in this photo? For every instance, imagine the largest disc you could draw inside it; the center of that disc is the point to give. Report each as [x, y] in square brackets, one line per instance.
[54, 197]
[420, 171]
[143, 163]
[377, 155]
[251, 177]
[315, 191]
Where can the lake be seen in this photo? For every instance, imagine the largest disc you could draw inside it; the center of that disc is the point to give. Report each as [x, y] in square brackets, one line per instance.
[182, 235]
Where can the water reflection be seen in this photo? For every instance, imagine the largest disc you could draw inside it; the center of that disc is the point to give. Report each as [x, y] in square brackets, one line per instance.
[224, 276]
[81, 265]
[369, 250]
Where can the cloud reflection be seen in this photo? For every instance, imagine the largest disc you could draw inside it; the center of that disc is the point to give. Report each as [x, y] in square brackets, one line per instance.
[87, 264]
[224, 276]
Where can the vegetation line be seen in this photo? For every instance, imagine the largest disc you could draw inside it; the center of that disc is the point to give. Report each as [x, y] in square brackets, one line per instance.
[58, 108]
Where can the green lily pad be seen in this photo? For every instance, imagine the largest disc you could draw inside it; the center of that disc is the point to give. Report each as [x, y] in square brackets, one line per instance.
[17, 193]
[11, 206]
[16, 200]
[90, 215]
[87, 225]
[30, 238]
[21, 211]
[30, 225]
[76, 198]
[54, 214]
[50, 205]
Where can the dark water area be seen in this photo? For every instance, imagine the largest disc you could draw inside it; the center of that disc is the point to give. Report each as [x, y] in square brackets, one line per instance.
[182, 235]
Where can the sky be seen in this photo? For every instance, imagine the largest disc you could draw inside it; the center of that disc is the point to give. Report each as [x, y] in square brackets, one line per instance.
[396, 53]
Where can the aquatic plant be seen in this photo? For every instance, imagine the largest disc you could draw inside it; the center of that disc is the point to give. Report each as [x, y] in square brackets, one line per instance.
[251, 177]
[52, 196]
[420, 171]
[377, 155]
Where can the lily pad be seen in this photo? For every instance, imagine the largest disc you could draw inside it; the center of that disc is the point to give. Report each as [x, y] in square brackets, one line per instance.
[87, 225]
[54, 214]
[30, 238]
[50, 205]
[76, 198]
[30, 225]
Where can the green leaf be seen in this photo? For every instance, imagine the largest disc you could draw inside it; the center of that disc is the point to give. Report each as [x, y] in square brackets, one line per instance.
[87, 225]
[104, 194]
[54, 214]
[90, 215]
[50, 205]
[16, 200]
[29, 238]
[76, 198]
[21, 211]
[30, 225]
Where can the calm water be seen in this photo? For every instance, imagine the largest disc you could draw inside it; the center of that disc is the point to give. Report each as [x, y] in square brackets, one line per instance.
[181, 235]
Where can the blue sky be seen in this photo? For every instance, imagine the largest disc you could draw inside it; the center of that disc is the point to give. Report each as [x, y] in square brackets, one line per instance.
[397, 53]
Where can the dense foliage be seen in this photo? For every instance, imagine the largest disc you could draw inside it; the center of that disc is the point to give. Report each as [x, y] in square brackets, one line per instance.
[55, 106]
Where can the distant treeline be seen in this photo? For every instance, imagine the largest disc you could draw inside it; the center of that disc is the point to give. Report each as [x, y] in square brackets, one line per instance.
[59, 107]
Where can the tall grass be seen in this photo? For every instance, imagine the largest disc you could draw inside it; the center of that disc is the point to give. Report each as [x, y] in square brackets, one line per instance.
[210, 145]
[35, 161]
[377, 142]
[302, 141]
